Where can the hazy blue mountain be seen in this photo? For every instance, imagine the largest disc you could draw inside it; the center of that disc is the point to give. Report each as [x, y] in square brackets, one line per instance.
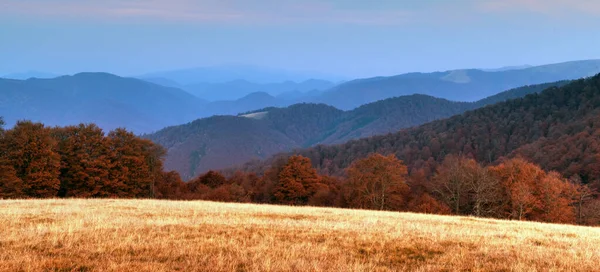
[222, 74]
[222, 141]
[508, 68]
[107, 100]
[249, 102]
[239, 88]
[457, 85]
[163, 81]
[29, 74]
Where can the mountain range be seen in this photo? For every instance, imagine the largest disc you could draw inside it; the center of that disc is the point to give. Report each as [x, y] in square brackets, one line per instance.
[223, 141]
[107, 100]
[144, 107]
[457, 85]
[228, 73]
[556, 129]
[233, 90]
[29, 74]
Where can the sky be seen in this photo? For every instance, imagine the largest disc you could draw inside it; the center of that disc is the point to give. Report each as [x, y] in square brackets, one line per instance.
[350, 38]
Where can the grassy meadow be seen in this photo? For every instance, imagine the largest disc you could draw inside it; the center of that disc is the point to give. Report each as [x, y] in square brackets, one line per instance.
[153, 235]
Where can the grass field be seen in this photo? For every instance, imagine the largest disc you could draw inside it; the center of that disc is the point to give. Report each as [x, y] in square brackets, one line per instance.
[151, 235]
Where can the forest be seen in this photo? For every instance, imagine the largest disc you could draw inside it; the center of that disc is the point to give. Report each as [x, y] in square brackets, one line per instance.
[80, 161]
[533, 158]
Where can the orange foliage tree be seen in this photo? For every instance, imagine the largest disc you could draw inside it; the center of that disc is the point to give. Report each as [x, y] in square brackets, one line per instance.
[137, 165]
[297, 182]
[376, 182]
[30, 150]
[10, 185]
[533, 194]
[85, 161]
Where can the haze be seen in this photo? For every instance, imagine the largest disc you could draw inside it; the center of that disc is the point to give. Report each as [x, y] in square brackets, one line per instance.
[348, 39]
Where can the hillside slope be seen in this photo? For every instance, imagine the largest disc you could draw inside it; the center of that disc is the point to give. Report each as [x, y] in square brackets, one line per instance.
[558, 129]
[301, 125]
[107, 100]
[152, 235]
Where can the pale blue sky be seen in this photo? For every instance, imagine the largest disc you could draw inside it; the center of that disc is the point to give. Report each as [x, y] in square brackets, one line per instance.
[353, 38]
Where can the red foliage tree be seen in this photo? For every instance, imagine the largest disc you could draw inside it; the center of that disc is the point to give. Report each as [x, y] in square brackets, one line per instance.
[297, 182]
[425, 203]
[137, 165]
[377, 182]
[30, 150]
[85, 161]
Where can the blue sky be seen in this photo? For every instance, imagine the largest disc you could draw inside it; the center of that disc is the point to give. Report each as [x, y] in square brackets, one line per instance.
[353, 38]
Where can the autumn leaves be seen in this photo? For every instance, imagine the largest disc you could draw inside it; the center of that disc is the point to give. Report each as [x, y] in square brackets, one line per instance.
[76, 161]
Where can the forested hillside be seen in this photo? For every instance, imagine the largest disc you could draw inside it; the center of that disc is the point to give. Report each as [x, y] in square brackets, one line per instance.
[557, 129]
[223, 141]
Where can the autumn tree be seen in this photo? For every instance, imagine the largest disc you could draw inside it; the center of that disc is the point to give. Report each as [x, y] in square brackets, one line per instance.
[519, 180]
[377, 182]
[425, 203]
[297, 182]
[485, 193]
[169, 186]
[583, 194]
[555, 197]
[30, 150]
[137, 165]
[468, 188]
[10, 185]
[85, 161]
[212, 179]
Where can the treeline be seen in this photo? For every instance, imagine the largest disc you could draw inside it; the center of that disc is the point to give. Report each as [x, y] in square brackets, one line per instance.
[81, 161]
[76, 161]
[513, 189]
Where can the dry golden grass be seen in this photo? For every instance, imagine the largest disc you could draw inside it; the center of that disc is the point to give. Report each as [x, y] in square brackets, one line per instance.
[151, 235]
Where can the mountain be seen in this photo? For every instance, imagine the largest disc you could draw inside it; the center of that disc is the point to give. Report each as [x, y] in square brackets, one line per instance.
[507, 68]
[239, 88]
[163, 82]
[227, 73]
[223, 141]
[457, 85]
[558, 129]
[107, 100]
[257, 100]
[29, 74]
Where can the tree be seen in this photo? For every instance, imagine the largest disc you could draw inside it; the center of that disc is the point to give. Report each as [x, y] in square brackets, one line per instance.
[10, 185]
[30, 150]
[425, 203]
[556, 196]
[85, 161]
[377, 182]
[137, 165]
[485, 193]
[212, 179]
[519, 180]
[583, 193]
[297, 181]
[169, 186]
[453, 181]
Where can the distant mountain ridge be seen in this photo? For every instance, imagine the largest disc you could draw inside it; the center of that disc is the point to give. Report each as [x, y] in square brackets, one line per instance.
[457, 85]
[228, 73]
[105, 99]
[236, 89]
[223, 141]
[28, 75]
